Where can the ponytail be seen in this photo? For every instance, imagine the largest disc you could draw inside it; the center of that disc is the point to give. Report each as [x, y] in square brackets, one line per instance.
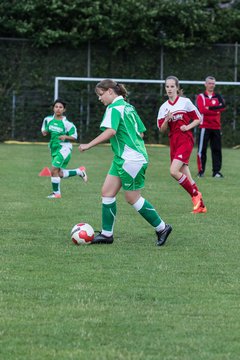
[106, 84]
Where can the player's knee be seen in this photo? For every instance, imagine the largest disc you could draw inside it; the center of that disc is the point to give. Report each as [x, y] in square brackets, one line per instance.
[132, 196]
[106, 193]
[55, 172]
[173, 172]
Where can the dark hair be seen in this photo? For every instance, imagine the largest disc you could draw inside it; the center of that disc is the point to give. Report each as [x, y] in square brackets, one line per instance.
[106, 84]
[179, 90]
[59, 101]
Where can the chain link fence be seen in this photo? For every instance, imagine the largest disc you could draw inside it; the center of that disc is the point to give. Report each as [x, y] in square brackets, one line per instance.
[27, 84]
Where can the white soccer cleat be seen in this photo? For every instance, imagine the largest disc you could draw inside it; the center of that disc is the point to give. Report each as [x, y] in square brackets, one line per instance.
[54, 196]
[83, 174]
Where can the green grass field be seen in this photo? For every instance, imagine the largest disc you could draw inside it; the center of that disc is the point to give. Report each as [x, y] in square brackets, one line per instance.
[128, 301]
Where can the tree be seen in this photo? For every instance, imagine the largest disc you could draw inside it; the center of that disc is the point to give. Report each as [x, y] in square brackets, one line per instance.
[175, 24]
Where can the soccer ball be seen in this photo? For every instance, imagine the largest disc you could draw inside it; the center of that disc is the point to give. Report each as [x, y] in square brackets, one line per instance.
[82, 233]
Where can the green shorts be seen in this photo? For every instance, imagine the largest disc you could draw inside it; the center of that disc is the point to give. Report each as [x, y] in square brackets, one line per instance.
[61, 159]
[131, 174]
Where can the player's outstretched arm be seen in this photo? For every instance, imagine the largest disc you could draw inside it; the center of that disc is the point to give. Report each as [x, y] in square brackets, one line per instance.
[190, 126]
[106, 135]
[67, 137]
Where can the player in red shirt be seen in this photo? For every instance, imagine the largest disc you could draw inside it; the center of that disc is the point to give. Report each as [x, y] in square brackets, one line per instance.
[210, 105]
[179, 115]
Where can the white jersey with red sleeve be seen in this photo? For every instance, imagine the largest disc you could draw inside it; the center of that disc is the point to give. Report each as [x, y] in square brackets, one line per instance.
[183, 112]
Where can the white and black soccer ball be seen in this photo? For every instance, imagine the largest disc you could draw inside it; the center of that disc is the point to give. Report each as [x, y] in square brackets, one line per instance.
[82, 234]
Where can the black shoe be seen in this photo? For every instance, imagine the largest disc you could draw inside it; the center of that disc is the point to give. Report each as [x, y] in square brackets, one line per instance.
[163, 235]
[218, 175]
[102, 239]
[200, 174]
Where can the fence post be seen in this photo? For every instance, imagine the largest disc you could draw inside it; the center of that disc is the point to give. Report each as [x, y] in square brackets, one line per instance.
[88, 85]
[236, 62]
[161, 68]
[235, 79]
[13, 114]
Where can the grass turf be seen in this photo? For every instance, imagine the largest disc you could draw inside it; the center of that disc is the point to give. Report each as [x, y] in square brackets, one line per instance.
[130, 300]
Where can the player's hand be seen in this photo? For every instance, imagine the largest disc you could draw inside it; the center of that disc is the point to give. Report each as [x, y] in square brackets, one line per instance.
[184, 128]
[62, 137]
[169, 116]
[83, 147]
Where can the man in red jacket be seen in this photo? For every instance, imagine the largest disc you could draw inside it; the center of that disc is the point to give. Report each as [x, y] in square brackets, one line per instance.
[210, 105]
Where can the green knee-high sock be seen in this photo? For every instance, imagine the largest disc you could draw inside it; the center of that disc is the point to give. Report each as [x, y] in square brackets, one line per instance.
[72, 173]
[149, 213]
[108, 216]
[56, 184]
[69, 173]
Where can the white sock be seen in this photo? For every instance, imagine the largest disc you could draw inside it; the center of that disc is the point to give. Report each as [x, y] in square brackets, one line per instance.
[65, 173]
[108, 200]
[139, 203]
[106, 233]
[161, 226]
[79, 171]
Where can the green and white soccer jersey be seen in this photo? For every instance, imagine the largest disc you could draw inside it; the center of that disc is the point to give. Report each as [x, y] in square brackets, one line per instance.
[127, 144]
[60, 150]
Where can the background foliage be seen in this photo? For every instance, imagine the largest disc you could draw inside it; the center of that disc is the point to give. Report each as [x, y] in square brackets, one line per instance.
[123, 23]
[127, 39]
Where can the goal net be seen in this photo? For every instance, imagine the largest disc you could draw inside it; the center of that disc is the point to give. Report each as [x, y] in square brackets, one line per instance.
[145, 94]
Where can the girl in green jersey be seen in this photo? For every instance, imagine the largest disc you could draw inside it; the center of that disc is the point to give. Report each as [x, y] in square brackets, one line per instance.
[124, 128]
[62, 132]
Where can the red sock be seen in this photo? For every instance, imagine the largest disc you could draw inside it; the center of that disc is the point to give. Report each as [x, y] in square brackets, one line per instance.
[194, 185]
[185, 183]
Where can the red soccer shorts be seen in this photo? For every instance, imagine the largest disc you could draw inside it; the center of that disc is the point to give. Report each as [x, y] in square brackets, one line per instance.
[181, 146]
